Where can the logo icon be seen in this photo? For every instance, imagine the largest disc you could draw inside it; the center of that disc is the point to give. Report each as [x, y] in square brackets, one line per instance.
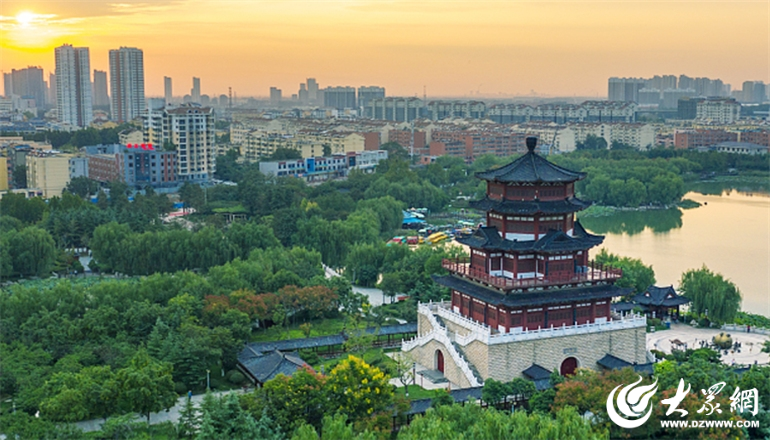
[639, 400]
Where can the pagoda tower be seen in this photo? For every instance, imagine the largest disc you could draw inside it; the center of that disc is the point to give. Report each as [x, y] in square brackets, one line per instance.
[528, 300]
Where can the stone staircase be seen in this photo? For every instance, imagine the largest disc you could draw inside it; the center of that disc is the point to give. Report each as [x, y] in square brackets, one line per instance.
[470, 365]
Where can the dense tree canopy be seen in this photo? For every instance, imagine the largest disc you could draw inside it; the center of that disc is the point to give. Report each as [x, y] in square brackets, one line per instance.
[635, 273]
[710, 292]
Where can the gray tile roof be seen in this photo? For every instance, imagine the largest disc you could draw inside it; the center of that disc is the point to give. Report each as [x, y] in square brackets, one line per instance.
[487, 237]
[660, 296]
[265, 366]
[544, 297]
[530, 168]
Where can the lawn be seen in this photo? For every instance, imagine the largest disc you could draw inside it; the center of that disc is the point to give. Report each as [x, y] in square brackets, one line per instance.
[322, 327]
[417, 392]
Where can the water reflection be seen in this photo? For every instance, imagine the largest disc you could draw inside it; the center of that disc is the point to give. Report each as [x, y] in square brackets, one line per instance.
[634, 222]
[760, 188]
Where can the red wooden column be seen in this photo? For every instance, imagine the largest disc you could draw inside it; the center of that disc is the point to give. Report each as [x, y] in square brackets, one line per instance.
[515, 266]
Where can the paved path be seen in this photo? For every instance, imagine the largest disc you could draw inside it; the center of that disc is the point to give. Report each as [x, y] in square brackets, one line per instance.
[421, 380]
[172, 415]
[372, 294]
[750, 352]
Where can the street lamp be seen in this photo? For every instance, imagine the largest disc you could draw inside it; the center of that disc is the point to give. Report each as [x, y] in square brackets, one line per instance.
[208, 380]
[414, 373]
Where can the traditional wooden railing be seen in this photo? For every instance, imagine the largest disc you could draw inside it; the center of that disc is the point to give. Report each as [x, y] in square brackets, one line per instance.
[593, 272]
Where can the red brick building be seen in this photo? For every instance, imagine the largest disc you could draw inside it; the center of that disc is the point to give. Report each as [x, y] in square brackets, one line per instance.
[703, 138]
[106, 167]
[759, 137]
[480, 142]
[404, 138]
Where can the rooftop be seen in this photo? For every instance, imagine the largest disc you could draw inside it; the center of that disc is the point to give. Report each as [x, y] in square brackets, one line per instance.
[487, 237]
[532, 296]
[530, 168]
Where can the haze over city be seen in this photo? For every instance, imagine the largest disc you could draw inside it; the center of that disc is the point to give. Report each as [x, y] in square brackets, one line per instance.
[485, 49]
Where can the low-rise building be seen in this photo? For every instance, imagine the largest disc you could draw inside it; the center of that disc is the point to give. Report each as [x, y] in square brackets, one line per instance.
[719, 110]
[319, 169]
[703, 138]
[741, 148]
[48, 171]
[136, 167]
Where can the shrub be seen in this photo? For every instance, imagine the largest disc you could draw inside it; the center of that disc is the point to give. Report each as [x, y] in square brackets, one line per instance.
[180, 388]
[236, 378]
[310, 357]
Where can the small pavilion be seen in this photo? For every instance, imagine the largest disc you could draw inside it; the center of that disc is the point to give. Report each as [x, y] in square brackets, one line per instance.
[660, 301]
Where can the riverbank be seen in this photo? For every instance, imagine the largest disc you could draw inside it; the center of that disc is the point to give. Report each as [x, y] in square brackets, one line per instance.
[605, 210]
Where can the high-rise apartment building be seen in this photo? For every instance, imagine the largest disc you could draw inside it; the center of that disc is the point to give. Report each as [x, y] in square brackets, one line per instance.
[195, 93]
[275, 95]
[303, 95]
[625, 89]
[190, 129]
[339, 97]
[52, 89]
[753, 92]
[73, 85]
[168, 91]
[126, 83]
[312, 91]
[27, 83]
[366, 94]
[100, 96]
[7, 86]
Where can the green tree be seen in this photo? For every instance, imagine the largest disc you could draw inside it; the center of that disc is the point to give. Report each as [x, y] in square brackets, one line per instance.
[456, 422]
[192, 196]
[592, 142]
[710, 292]
[20, 176]
[146, 385]
[82, 186]
[282, 153]
[32, 252]
[29, 211]
[391, 285]
[494, 391]
[363, 262]
[358, 389]
[635, 273]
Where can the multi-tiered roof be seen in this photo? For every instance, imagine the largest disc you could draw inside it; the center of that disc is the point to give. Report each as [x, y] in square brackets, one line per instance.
[532, 252]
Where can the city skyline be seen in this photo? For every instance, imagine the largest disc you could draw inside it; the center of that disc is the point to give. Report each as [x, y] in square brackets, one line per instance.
[462, 49]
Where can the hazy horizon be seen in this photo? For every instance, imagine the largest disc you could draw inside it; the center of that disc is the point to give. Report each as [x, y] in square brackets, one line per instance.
[484, 50]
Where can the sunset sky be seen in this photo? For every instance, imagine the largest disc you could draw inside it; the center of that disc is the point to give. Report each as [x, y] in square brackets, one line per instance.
[454, 48]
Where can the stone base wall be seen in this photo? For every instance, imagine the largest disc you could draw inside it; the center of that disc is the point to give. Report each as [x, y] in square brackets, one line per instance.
[426, 356]
[505, 362]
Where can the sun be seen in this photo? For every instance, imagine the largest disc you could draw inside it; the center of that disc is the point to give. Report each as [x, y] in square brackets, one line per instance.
[25, 18]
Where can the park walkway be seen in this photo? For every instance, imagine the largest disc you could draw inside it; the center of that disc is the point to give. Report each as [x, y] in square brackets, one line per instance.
[172, 415]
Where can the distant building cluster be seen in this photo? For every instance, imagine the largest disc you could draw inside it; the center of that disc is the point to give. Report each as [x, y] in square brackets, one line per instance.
[666, 91]
[340, 98]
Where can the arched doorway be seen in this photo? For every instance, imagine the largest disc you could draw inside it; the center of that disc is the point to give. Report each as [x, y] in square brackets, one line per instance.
[440, 361]
[568, 366]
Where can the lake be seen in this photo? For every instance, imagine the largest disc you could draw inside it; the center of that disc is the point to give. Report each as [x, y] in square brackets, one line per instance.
[730, 234]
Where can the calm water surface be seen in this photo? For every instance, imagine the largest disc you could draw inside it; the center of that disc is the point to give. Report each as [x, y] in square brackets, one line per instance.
[730, 234]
